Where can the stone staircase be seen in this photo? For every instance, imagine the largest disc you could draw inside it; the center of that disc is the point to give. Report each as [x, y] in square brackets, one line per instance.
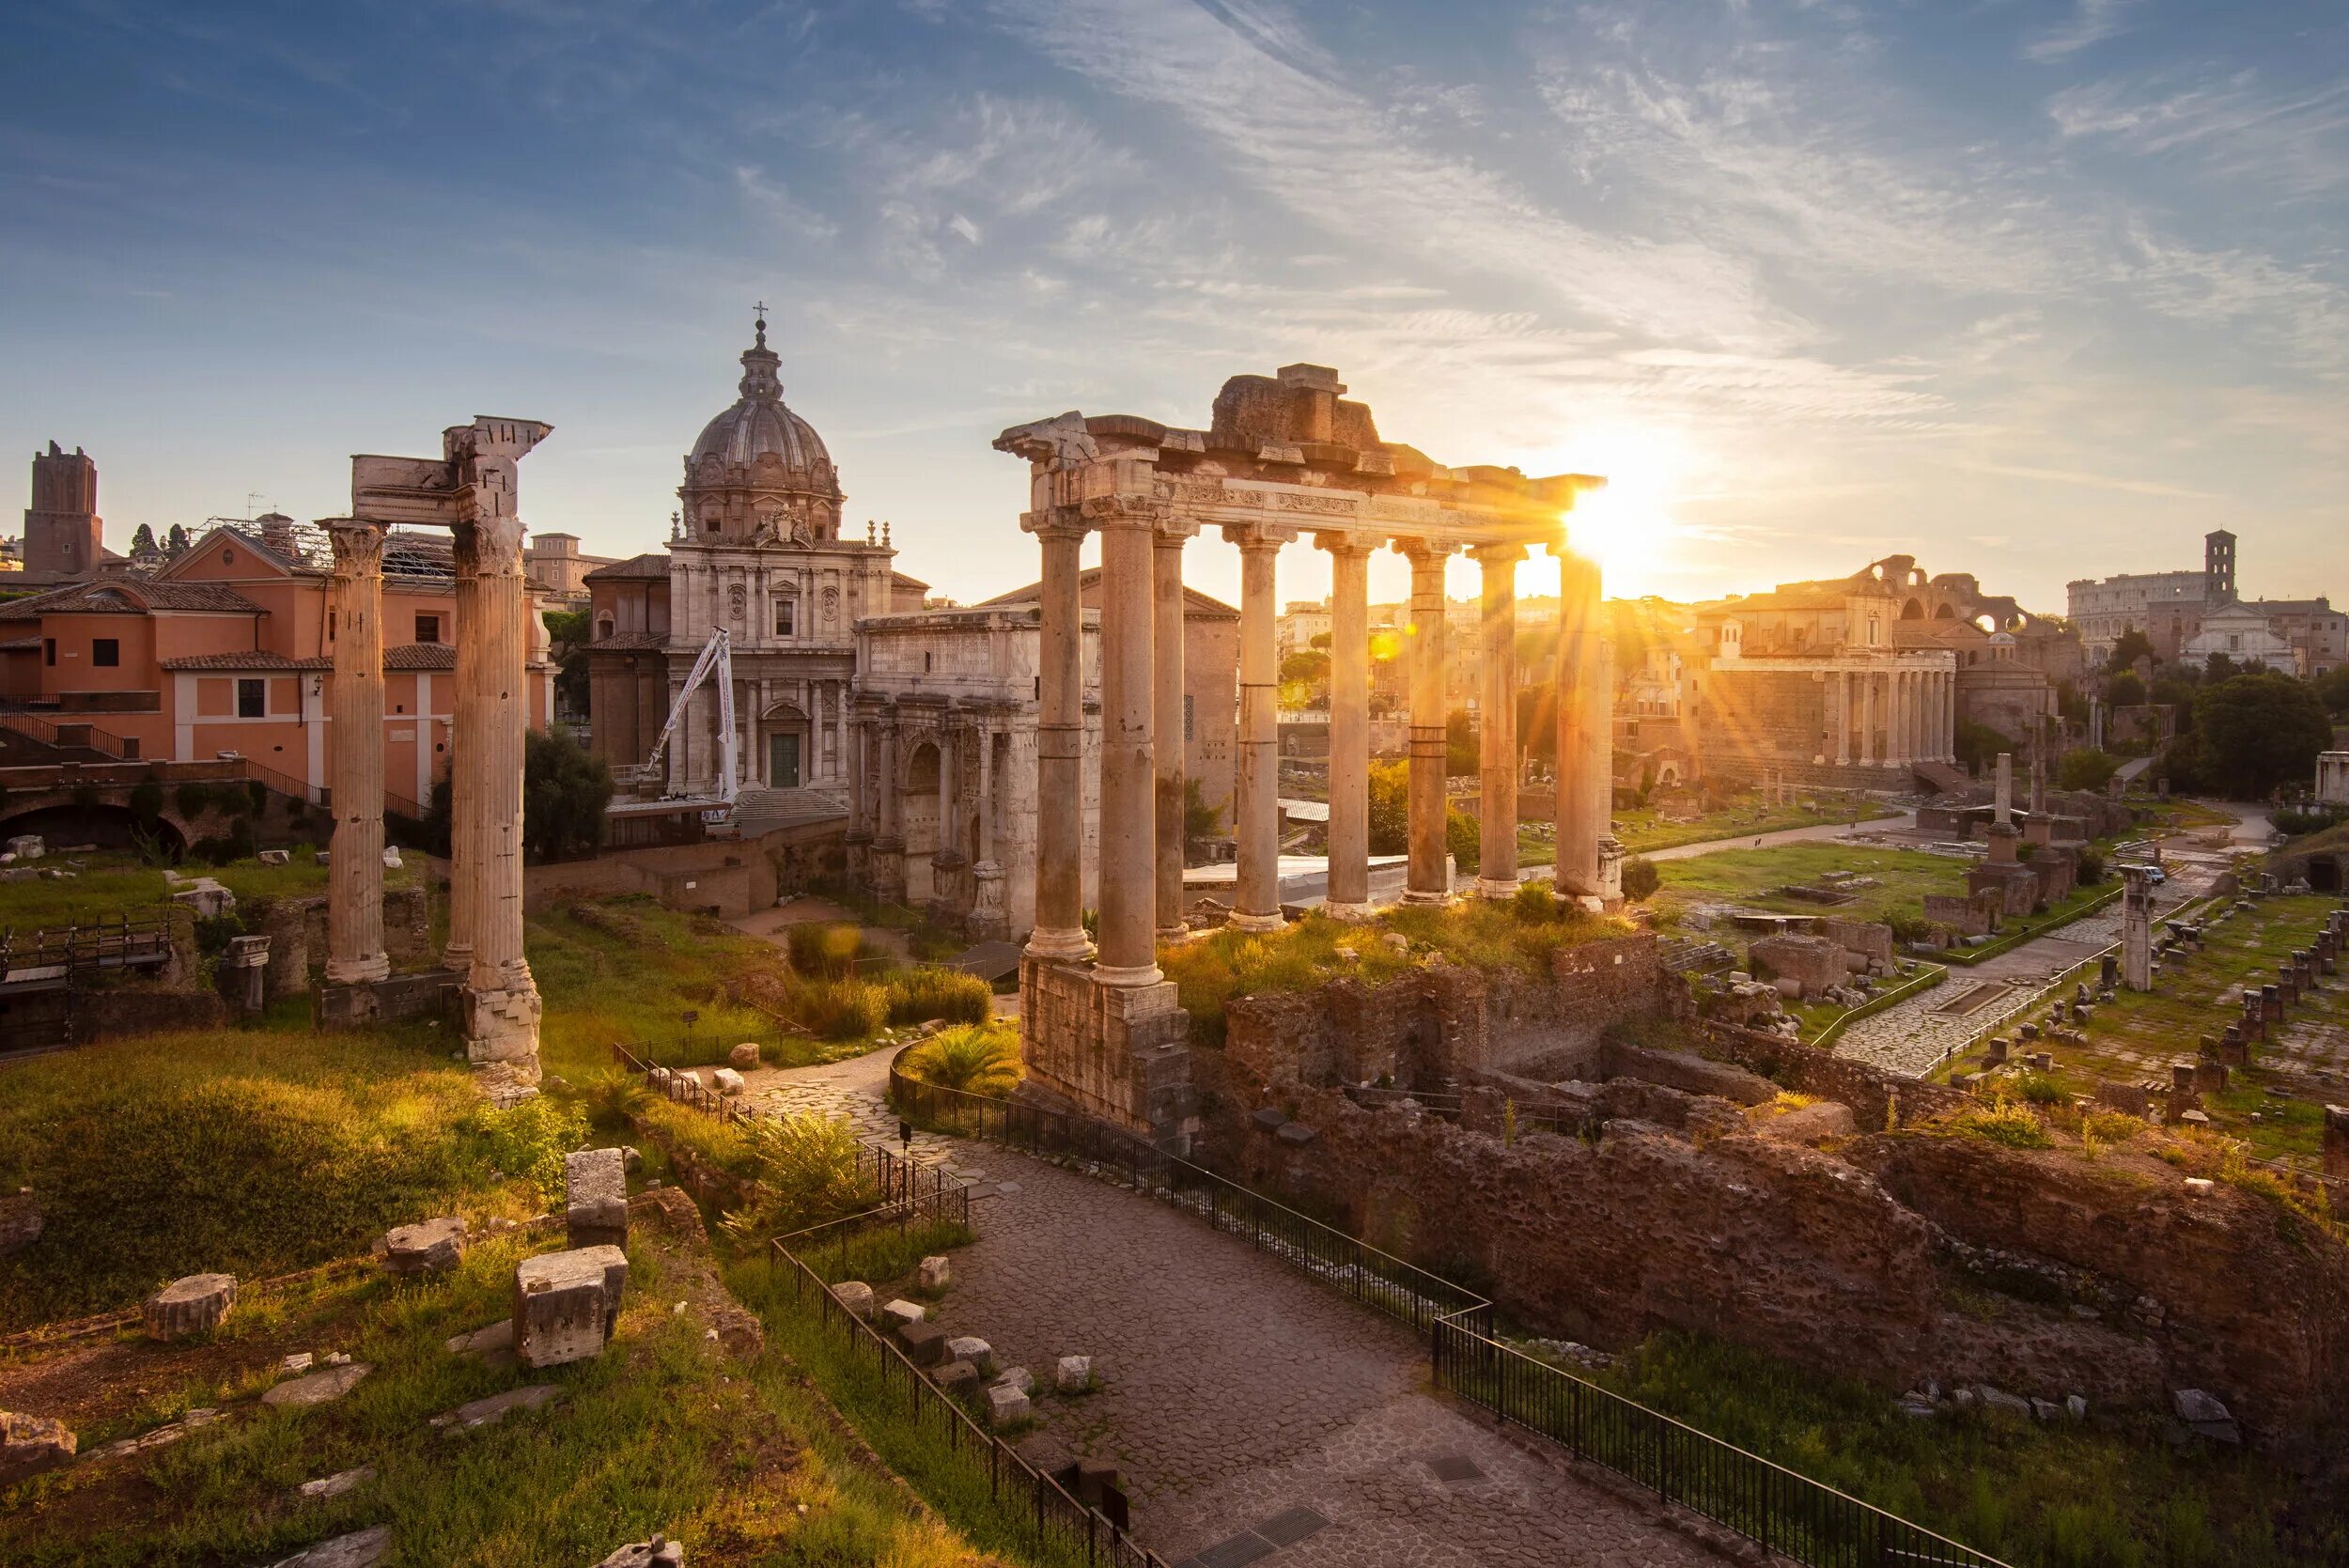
[1690, 954]
[1942, 777]
[762, 811]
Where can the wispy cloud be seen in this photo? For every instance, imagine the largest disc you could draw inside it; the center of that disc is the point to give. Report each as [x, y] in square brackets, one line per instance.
[2236, 128]
[2092, 23]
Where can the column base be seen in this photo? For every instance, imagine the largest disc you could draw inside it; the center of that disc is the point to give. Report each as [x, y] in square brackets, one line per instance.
[501, 1027]
[1128, 977]
[1487, 887]
[1352, 913]
[358, 971]
[1239, 922]
[457, 956]
[1060, 946]
[1175, 932]
[1424, 895]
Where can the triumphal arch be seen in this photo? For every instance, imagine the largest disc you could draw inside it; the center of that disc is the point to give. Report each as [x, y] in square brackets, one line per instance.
[1286, 457]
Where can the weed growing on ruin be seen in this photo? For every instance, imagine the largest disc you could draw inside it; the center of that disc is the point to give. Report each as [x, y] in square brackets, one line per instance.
[2039, 1089]
[802, 1171]
[527, 1141]
[2007, 1123]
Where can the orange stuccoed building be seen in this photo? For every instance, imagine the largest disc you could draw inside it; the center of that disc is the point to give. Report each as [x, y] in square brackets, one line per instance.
[228, 649]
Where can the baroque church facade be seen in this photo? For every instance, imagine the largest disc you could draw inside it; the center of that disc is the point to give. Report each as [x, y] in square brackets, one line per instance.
[757, 546]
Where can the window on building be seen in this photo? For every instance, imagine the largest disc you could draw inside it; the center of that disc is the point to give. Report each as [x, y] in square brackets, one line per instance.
[106, 652]
[252, 699]
[603, 628]
[130, 748]
[1187, 725]
[925, 662]
[330, 623]
[428, 629]
[49, 650]
[787, 616]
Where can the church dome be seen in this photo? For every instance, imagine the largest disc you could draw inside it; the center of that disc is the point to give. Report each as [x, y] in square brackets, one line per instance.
[762, 435]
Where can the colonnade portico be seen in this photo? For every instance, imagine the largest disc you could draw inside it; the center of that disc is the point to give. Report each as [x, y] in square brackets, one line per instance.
[470, 490]
[1908, 700]
[1286, 457]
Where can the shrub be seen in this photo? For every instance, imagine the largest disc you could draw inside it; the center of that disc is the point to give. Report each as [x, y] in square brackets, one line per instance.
[1535, 902]
[614, 1096]
[2008, 1122]
[2111, 1126]
[825, 951]
[2040, 1089]
[918, 995]
[804, 1170]
[1641, 879]
[256, 796]
[147, 800]
[977, 1059]
[2091, 865]
[528, 1141]
[841, 1009]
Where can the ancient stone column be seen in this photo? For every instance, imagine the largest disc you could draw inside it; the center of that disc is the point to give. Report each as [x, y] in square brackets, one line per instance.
[1867, 718]
[1349, 895]
[1581, 819]
[1497, 732]
[1598, 759]
[464, 714]
[889, 844]
[1059, 746]
[354, 893]
[1426, 880]
[1129, 896]
[2003, 802]
[2137, 929]
[1166, 608]
[1838, 686]
[501, 999]
[1256, 813]
[1902, 726]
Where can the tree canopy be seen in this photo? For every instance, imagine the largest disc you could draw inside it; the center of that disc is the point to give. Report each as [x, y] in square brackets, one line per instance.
[2131, 646]
[2126, 689]
[2258, 731]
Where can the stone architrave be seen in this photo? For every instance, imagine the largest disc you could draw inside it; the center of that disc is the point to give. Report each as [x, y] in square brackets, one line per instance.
[1428, 877]
[1349, 727]
[1257, 905]
[1497, 722]
[355, 895]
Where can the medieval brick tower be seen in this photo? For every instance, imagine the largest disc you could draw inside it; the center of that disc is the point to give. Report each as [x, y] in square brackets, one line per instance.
[2218, 567]
[63, 536]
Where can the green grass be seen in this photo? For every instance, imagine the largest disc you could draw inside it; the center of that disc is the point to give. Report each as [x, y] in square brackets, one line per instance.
[111, 883]
[2103, 1494]
[1750, 877]
[1210, 970]
[1641, 827]
[663, 1433]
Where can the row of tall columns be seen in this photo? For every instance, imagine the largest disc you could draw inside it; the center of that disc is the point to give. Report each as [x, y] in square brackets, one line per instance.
[1916, 710]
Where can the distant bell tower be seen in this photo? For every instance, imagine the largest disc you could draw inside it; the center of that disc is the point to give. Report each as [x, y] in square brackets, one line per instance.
[63, 536]
[2218, 567]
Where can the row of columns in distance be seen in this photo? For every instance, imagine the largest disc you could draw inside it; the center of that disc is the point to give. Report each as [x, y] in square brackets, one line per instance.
[486, 748]
[1916, 711]
[1140, 871]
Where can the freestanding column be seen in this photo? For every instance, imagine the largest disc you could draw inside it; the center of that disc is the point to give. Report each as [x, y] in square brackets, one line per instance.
[1060, 747]
[1427, 880]
[464, 715]
[1257, 810]
[1349, 896]
[1128, 898]
[354, 904]
[1496, 736]
[501, 999]
[1581, 819]
[1868, 719]
[1166, 646]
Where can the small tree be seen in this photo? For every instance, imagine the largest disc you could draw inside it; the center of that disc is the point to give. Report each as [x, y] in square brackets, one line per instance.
[2124, 690]
[1460, 754]
[2258, 731]
[2087, 769]
[1641, 879]
[565, 791]
[2127, 649]
[1200, 819]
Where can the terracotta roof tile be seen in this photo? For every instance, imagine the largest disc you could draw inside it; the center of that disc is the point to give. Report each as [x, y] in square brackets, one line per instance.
[244, 658]
[629, 641]
[653, 564]
[420, 656]
[121, 597]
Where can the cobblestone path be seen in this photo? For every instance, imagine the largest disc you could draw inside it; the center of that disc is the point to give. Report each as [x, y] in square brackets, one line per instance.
[1247, 1406]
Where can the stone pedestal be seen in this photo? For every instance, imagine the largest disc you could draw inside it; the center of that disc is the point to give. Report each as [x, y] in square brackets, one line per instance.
[2137, 929]
[567, 1304]
[990, 919]
[1117, 1052]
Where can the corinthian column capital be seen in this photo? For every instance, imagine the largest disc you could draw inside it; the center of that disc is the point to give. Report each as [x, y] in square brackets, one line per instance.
[358, 547]
[1258, 536]
[491, 546]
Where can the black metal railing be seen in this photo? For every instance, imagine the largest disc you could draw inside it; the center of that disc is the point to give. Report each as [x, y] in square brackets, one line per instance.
[1783, 1510]
[1057, 1524]
[121, 942]
[681, 1086]
[50, 732]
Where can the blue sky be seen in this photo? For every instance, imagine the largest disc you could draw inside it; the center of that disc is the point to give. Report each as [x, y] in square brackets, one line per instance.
[2038, 289]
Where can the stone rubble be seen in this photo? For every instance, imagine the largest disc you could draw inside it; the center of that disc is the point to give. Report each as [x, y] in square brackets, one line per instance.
[319, 1387]
[336, 1484]
[194, 1305]
[430, 1247]
[1073, 1374]
[659, 1552]
[567, 1304]
[476, 1414]
[31, 1444]
[360, 1549]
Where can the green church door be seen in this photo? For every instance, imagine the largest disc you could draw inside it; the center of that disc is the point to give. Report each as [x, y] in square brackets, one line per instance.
[783, 762]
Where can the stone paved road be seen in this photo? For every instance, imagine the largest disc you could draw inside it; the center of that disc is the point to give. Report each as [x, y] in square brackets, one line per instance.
[1234, 1391]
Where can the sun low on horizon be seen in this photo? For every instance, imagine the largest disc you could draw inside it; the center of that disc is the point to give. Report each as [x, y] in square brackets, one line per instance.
[1630, 525]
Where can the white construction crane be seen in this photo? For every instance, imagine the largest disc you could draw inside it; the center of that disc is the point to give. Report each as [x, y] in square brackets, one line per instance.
[716, 655]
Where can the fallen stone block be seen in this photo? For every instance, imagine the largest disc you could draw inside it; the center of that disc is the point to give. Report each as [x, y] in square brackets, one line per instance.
[479, 1413]
[1016, 1378]
[336, 1484]
[955, 1378]
[361, 1549]
[726, 1082]
[275, 857]
[1997, 1399]
[969, 1347]
[299, 1362]
[659, 1552]
[494, 1344]
[319, 1387]
[1295, 1134]
[1074, 1375]
[924, 1344]
[744, 1055]
[31, 1444]
[196, 1305]
[565, 1304]
[900, 1313]
[431, 1247]
[161, 1436]
[1005, 1404]
[935, 1273]
[595, 1184]
[855, 1295]
[2206, 1416]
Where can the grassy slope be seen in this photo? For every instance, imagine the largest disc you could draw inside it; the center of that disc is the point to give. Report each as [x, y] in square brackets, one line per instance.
[663, 1432]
